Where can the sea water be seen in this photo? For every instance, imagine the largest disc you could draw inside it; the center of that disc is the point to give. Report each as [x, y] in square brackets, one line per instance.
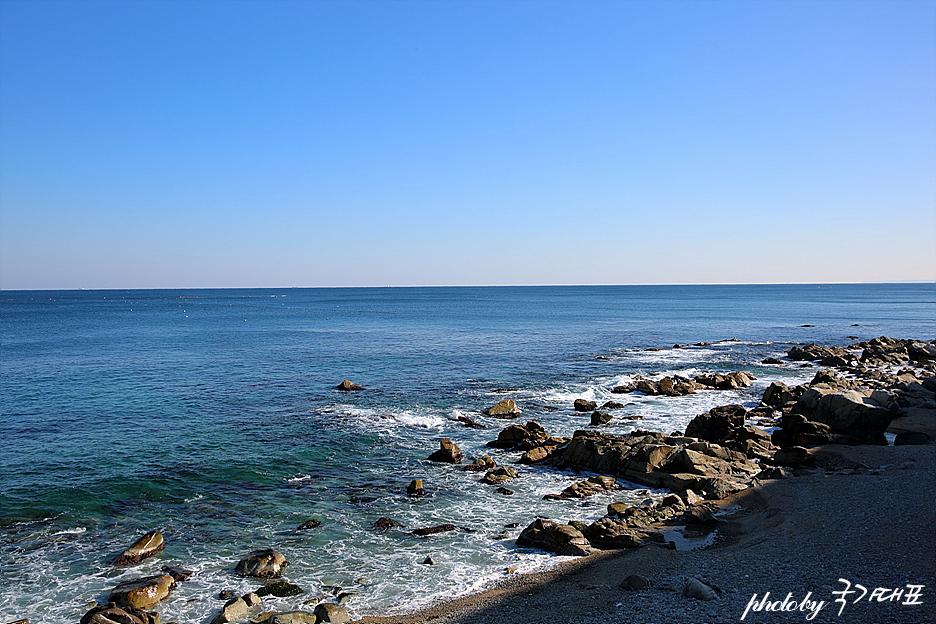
[211, 415]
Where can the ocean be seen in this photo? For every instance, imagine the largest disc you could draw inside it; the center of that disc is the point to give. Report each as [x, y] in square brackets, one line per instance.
[211, 415]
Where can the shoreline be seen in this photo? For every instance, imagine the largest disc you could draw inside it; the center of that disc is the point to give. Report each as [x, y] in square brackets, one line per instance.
[821, 502]
[798, 535]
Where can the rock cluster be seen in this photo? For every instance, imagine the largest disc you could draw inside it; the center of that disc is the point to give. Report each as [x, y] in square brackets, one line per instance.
[681, 386]
[658, 460]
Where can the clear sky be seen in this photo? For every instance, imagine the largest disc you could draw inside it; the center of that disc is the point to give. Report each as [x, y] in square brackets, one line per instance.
[325, 143]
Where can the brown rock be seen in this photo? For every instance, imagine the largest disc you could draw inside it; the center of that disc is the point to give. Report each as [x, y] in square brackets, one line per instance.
[562, 539]
[331, 613]
[442, 528]
[262, 564]
[415, 488]
[505, 409]
[581, 405]
[600, 418]
[146, 546]
[448, 452]
[142, 593]
[348, 386]
[500, 475]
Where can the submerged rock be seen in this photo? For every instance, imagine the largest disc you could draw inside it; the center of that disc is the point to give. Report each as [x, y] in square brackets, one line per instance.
[146, 546]
[442, 528]
[279, 589]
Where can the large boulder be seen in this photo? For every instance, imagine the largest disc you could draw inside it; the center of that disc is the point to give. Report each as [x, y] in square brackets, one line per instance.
[146, 546]
[505, 409]
[262, 564]
[232, 611]
[142, 593]
[851, 412]
[581, 405]
[562, 539]
[326, 612]
[448, 452]
[718, 425]
[524, 437]
[614, 533]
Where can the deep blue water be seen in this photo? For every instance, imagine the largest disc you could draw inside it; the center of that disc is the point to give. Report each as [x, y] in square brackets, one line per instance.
[211, 415]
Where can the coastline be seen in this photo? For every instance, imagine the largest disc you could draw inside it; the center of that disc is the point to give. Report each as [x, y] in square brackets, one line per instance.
[796, 535]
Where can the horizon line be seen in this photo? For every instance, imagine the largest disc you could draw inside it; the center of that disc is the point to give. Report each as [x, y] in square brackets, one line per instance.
[113, 288]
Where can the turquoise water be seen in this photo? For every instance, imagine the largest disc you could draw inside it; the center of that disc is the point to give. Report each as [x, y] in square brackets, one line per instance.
[211, 415]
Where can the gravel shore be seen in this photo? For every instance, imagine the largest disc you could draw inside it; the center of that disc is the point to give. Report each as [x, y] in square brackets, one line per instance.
[871, 526]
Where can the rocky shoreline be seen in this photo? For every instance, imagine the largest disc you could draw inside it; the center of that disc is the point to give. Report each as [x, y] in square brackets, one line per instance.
[722, 471]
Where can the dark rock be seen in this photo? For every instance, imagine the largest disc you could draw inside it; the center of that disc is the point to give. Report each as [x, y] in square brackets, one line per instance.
[448, 452]
[505, 409]
[469, 422]
[415, 488]
[635, 582]
[442, 528]
[911, 437]
[348, 386]
[146, 546]
[504, 491]
[771, 360]
[266, 563]
[226, 594]
[581, 405]
[311, 523]
[718, 425]
[694, 588]
[383, 524]
[624, 388]
[177, 573]
[279, 589]
[794, 456]
[112, 614]
[562, 539]
[429, 560]
[647, 387]
[600, 418]
[612, 405]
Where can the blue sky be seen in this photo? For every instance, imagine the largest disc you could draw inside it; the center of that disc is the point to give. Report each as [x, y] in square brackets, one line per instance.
[272, 144]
